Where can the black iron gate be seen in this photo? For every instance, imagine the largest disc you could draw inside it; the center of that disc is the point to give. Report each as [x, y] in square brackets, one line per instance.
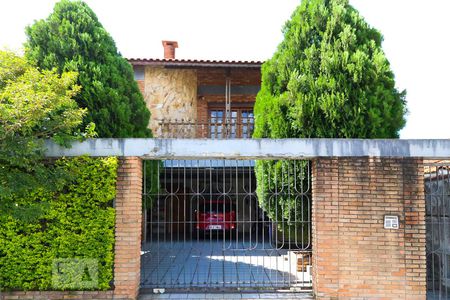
[208, 224]
[437, 191]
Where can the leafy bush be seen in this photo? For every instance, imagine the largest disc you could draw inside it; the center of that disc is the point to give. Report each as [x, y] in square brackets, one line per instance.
[77, 223]
[34, 105]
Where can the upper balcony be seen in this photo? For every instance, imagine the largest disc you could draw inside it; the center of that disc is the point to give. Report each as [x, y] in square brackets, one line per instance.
[216, 127]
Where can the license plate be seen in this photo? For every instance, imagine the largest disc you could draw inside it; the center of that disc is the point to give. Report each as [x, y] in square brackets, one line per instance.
[213, 227]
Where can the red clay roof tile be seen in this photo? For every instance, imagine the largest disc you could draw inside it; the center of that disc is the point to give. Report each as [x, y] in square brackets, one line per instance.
[194, 63]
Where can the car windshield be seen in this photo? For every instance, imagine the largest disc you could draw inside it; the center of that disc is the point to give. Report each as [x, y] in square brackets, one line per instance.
[216, 207]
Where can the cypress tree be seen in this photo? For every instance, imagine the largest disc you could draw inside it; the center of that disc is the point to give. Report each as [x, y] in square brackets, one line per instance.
[73, 39]
[329, 78]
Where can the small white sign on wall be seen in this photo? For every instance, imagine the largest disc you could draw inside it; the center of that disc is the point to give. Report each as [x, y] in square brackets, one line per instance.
[391, 222]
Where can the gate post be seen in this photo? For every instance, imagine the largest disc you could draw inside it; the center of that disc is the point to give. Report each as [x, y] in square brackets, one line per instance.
[324, 218]
[354, 256]
[127, 259]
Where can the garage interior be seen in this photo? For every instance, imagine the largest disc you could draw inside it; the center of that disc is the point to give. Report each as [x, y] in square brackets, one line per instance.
[204, 229]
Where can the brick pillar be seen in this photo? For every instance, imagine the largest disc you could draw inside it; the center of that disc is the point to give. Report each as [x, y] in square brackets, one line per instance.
[127, 260]
[325, 215]
[353, 255]
[415, 228]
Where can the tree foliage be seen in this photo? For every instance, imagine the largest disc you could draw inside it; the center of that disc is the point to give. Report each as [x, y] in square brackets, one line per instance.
[48, 211]
[78, 223]
[329, 78]
[73, 39]
[34, 106]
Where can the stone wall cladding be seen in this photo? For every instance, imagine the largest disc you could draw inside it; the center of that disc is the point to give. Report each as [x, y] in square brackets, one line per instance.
[354, 257]
[170, 94]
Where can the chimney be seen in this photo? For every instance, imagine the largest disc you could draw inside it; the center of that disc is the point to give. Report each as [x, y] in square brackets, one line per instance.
[169, 49]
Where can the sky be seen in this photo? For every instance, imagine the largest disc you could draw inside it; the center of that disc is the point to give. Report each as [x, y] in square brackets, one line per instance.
[416, 39]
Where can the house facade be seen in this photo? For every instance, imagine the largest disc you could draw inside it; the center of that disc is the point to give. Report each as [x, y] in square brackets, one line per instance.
[209, 208]
[198, 98]
[333, 231]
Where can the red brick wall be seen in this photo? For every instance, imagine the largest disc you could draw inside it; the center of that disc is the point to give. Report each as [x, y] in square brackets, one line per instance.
[353, 255]
[127, 260]
[239, 76]
[205, 103]
[211, 76]
[141, 85]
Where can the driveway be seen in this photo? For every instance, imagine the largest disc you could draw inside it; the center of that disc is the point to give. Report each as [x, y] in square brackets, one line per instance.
[242, 296]
[219, 263]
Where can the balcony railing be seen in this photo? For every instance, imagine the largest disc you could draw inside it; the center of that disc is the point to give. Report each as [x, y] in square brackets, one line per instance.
[209, 129]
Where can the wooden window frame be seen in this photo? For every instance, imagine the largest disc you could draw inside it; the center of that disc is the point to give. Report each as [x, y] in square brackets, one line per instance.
[239, 120]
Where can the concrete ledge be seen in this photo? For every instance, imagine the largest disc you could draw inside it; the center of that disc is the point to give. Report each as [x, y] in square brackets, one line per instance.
[253, 148]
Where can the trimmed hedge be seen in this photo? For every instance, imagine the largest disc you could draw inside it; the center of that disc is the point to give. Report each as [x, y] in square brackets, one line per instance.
[77, 222]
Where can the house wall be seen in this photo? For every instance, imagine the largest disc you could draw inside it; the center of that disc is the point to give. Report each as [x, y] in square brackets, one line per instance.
[354, 256]
[217, 77]
[141, 85]
[173, 94]
[170, 94]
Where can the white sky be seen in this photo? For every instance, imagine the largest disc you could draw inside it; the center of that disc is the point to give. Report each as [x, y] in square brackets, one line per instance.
[416, 39]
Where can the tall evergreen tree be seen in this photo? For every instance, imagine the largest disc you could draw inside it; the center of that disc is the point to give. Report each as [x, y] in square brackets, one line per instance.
[329, 78]
[73, 39]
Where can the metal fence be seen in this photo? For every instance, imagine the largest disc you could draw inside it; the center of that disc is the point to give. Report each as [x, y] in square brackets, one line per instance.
[437, 191]
[209, 224]
[214, 128]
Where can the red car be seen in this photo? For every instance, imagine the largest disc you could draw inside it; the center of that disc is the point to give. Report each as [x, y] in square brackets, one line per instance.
[215, 216]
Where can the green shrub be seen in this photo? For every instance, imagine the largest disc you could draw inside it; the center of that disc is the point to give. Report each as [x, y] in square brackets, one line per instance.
[77, 223]
[284, 194]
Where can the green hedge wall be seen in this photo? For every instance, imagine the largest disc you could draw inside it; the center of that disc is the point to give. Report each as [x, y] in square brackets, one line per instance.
[77, 223]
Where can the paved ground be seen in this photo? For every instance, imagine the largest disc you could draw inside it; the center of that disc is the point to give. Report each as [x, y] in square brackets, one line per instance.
[217, 296]
[219, 263]
[442, 295]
